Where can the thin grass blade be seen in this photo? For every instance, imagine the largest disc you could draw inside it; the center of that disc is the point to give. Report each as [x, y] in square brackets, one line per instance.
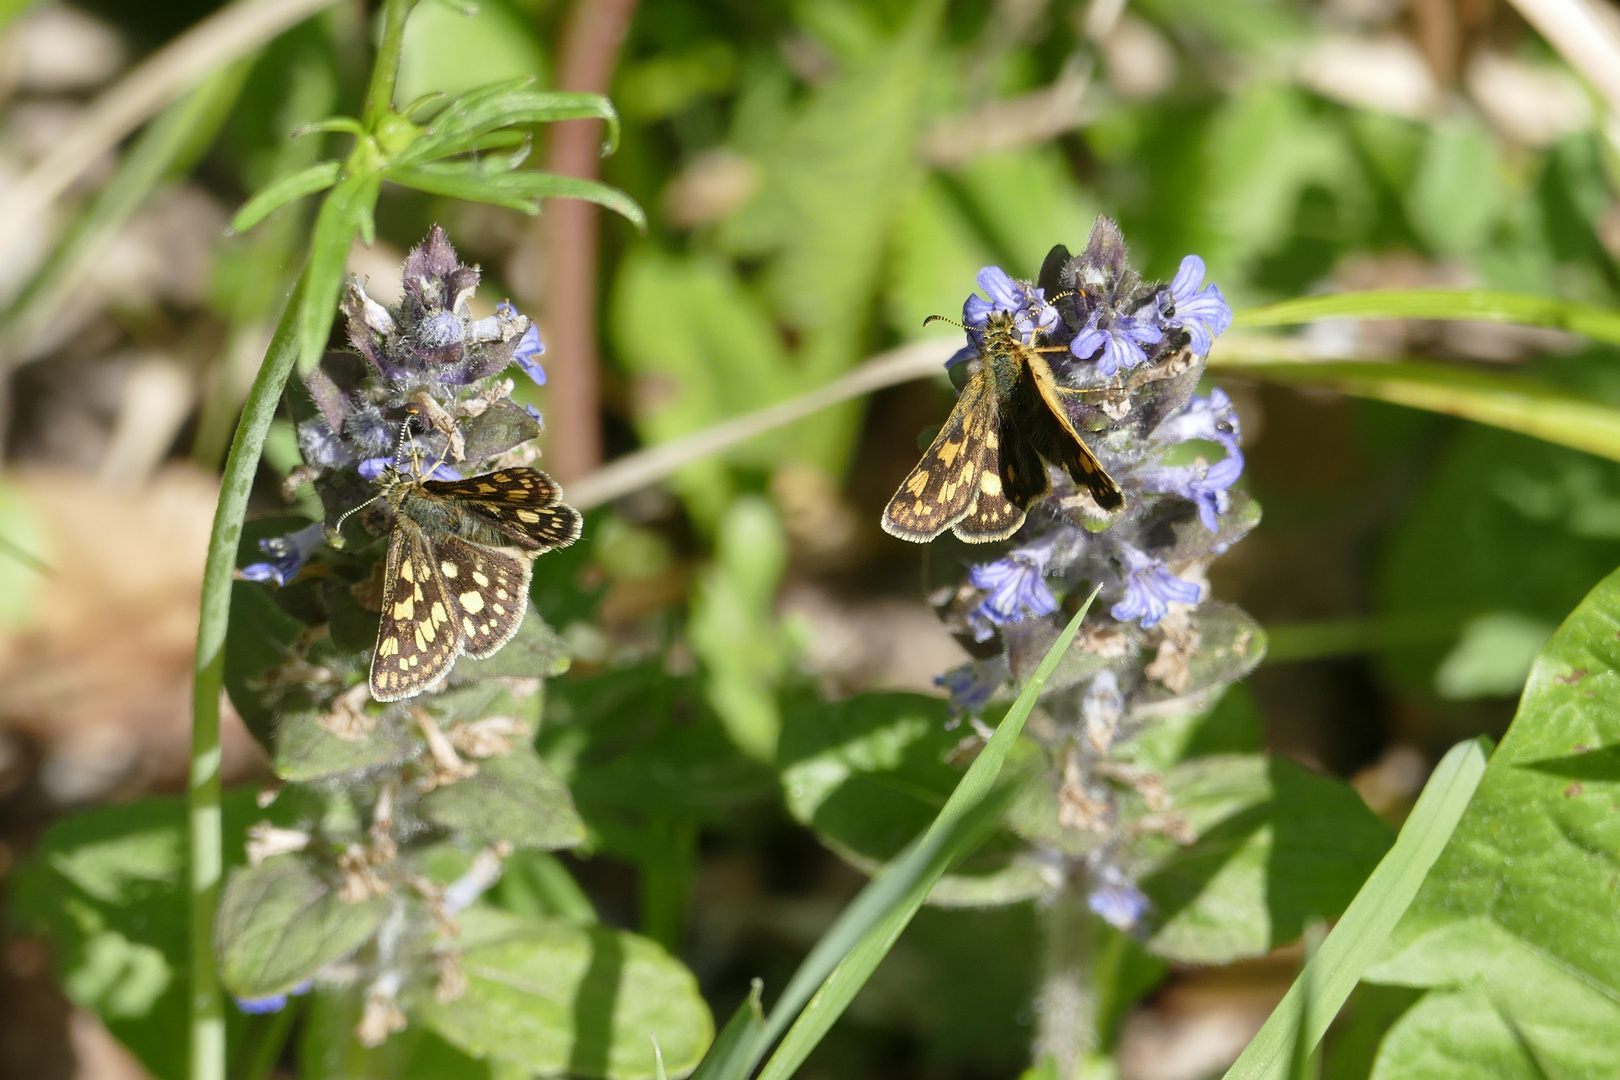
[342, 217]
[1480, 305]
[1359, 937]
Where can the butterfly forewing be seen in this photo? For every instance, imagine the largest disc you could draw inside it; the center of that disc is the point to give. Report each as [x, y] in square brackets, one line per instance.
[943, 487]
[418, 640]
[519, 503]
[491, 591]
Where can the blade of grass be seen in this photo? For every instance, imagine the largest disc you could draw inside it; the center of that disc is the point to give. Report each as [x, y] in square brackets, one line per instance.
[850, 951]
[203, 790]
[1359, 937]
[728, 1056]
[1481, 305]
[1503, 401]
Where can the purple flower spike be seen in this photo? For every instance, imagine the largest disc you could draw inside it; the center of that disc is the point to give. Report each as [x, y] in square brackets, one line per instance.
[1120, 342]
[1212, 418]
[1150, 589]
[1016, 589]
[287, 555]
[1201, 482]
[1203, 313]
[371, 468]
[1024, 302]
[1116, 898]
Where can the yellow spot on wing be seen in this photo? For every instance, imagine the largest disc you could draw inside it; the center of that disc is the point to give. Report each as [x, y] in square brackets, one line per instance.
[990, 483]
[449, 569]
[472, 602]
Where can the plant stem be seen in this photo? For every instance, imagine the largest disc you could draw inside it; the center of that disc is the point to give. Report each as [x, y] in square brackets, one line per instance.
[1069, 1001]
[207, 1027]
[380, 94]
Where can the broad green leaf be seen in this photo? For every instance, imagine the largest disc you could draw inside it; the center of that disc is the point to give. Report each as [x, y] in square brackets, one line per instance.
[555, 997]
[1277, 845]
[340, 220]
[257, 641]
[1505, 401]
[306, 751]
[279, 924]
[1520, 908]
[505, 104]
[1360, 936]
[1459, 1035]
[1493, 656]
[1458, 194]
[520, 190]
[1482, 305]
[107, 888]
[513, 797]
[845, 957]
[279, 193]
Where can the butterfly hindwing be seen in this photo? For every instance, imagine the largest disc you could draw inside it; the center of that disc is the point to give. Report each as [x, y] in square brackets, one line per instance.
[491, 592]
[521, 504]
[942, 489]
[1053, 435]
[417, 641]
[1019, 480]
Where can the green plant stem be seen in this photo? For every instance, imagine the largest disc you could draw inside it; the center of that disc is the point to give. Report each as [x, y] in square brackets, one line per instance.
[1070, 995]
[666, 885]
[207, 1027]
[380, 94]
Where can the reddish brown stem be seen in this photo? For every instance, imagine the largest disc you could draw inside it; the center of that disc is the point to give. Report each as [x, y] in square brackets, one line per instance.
[590, 48]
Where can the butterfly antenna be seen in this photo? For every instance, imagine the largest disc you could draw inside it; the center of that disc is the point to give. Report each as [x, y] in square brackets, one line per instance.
[946, 319]
[334, 535]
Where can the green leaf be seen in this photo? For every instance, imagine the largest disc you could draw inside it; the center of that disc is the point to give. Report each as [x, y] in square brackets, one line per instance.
[513, 797]
[1480, 305]
[306, 751]
[336, 226]
[1505, 401]
[280, 192]
[498, 429]
[1458, 194]
[505, 104]
[1520, 906]
[845, 957]
[1360, 936]
[1277, 845]
[107, 887]
[514, 190]
[554, 997]
[257, 641]
[279, 924]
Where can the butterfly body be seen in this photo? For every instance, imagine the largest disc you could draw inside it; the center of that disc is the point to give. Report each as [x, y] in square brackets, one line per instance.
[459, 562]
[987, 466]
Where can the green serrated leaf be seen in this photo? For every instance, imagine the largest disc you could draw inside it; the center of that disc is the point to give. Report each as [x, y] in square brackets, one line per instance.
[279, 193]
[279, 924]
[513, 797]
[1277, 845]
[306, 751]
[1520, 905]
[555, 997]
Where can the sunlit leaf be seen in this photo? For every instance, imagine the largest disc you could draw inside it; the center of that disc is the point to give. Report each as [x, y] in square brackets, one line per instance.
[279, 193]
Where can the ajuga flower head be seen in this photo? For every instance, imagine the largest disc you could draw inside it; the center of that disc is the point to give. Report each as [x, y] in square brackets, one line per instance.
[1115, 361]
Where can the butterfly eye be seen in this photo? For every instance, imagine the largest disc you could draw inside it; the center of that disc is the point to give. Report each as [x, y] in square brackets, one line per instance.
[1169, 310]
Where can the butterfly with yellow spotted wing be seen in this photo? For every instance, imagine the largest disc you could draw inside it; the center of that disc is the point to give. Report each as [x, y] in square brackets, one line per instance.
[987, 465]
[459, 561]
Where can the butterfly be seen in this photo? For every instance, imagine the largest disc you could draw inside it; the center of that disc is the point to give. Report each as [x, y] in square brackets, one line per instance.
[987, 465]
[459, 560]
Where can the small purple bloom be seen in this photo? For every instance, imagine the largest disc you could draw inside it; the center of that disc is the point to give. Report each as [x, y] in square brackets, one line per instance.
[1213, 419]
[1203, 313]
[287, 555]
[971, 685]
[534, 412]
[1016, 589]
[274, 1003]
[441, 330]
[1203, 483]
[529, 349]
[371, 468]
[1121, 341]
[1150, 589]
[1027, 304]
[1116, 898]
